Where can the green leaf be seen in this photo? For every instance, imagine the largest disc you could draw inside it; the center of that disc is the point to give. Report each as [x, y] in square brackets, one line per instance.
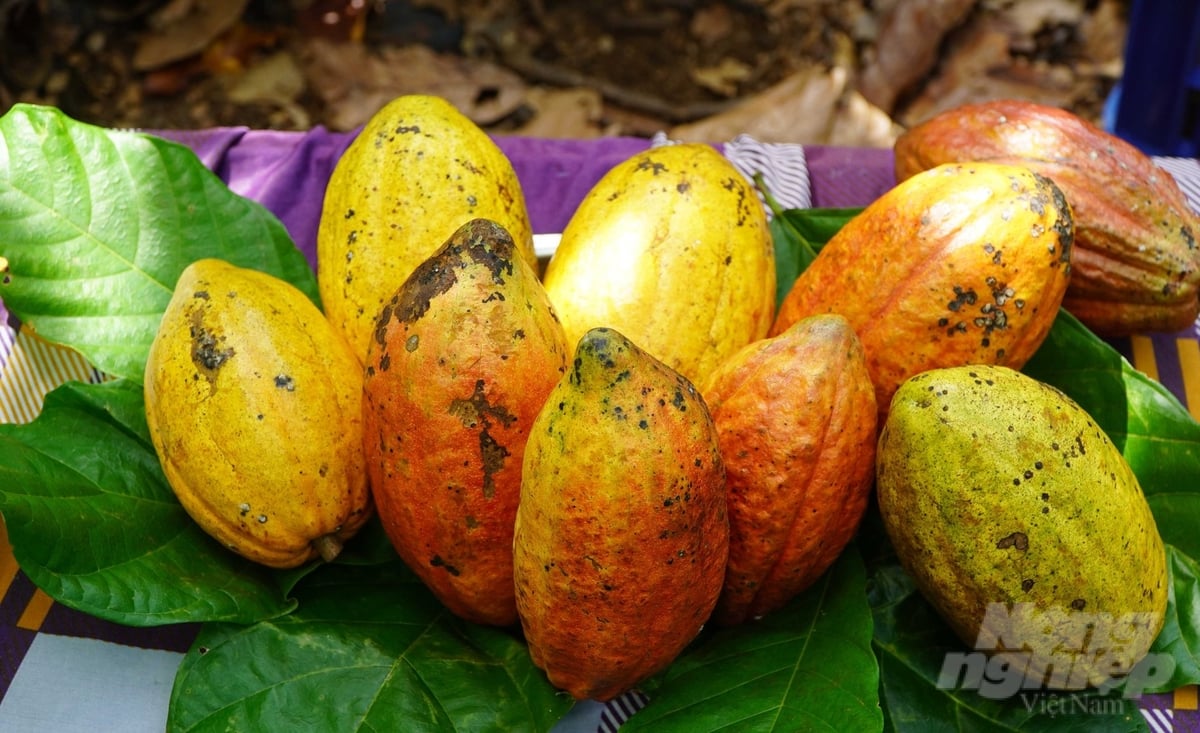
[808, 666]
[96, 226]
[93, 522]
[1180, 636]
[368, 649]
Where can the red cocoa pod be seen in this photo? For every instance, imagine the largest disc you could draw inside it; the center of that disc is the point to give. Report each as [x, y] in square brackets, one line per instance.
[1136, 264]
[961, 264]
[461, 359]
[796, 418]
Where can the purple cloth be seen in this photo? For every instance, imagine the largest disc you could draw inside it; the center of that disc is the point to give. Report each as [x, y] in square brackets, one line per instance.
[287, 171]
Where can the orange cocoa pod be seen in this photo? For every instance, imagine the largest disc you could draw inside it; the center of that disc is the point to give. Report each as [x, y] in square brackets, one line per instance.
[621, 534]
[795, 417]
[1136, 264]
[961, 264]
[460, 361]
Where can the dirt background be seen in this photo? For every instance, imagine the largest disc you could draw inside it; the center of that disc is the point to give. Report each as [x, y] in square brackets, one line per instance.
[808, 71]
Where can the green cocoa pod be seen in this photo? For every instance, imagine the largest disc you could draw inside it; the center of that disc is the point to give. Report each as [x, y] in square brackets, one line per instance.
[1022, 524]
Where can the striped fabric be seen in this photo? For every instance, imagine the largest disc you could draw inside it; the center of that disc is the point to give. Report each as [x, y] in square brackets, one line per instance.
[30, 367]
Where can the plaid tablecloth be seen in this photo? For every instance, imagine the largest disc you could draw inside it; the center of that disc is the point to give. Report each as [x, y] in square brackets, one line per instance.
[64, 671]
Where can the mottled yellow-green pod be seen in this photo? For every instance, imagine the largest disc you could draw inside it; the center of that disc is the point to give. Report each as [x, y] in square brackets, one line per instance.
[1022, 524]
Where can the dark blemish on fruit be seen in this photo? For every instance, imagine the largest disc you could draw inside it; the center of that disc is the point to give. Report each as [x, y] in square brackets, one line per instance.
[678, 402]
[643, 424]
[683, 186]
[408, 129]
[1078, 604]
[1028, 474]
[381, 322]
[385, 361]
[1079, 443]
[283, 381]
[349, 213]
[430, 279]
[1017, 540]
[646, 164]
[259, 416]
[962, 297]
[207, 353]
[411, 343]
[437, 562]
[1027, 584]
[201, 294]
[475, 411]
[243, 509]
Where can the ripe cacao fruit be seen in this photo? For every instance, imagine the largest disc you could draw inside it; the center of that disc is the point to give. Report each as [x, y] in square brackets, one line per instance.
[254, 405]
[795, 417]
[417, 171]
[621, 534]
[670, 248]
[1022, 524]
[1136, 264]
[960, 264]
[462, 357]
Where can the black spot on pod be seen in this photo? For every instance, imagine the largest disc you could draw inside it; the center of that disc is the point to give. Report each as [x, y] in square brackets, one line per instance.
[437, 562]
[1016, 540]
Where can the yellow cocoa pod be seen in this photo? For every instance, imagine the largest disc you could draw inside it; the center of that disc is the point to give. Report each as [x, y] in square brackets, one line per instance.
[254, 406]
[462, 359]
[621, 534]
[671, 248]
[417, 171]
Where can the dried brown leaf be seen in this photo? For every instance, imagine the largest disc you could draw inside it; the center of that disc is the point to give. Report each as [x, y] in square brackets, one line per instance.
[810, 107]
[907, 47]
[354, 82]
[190, 30]
[563, 113]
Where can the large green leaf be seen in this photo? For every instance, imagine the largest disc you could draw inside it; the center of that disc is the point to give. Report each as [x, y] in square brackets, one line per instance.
[368, 649]
[808, 666]
[96, 226]
[93, 522]
[1179, 639]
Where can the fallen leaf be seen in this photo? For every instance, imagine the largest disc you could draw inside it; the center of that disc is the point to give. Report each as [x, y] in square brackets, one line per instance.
[711, 23]
[907, 47]
[724, 77]
[563, 113]
[980, 68]
[808, 107]
[188, 33]
[354, 81]
[277, 81]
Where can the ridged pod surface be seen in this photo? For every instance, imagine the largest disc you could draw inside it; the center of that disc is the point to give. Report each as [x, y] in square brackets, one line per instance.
[671, 248]
[795, 417]
[961, 264]
[1022, 523]
[254, 405]
[462, 358]
[1136, 264]
[417, 171]
[621, 532]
